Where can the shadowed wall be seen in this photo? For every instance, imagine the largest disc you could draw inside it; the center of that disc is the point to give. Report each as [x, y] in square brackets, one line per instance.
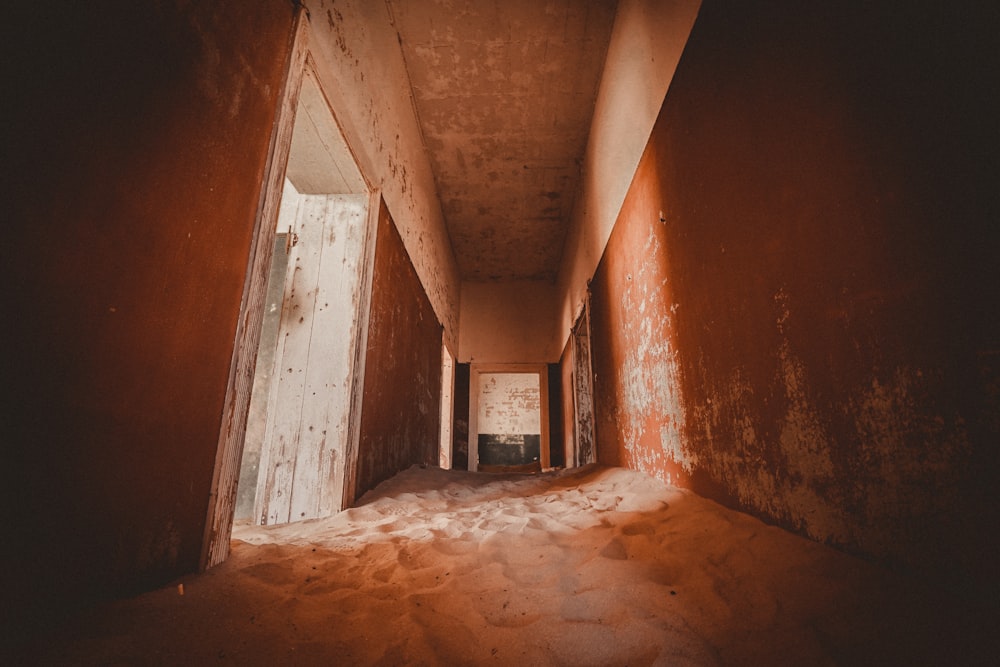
[797, 312]
[400, 414]
[133, 181]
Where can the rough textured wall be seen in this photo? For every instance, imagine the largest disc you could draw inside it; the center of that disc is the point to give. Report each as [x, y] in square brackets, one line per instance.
[797, 312]
[361, 67]
[400, 414]
[135, 140]
[646, 44]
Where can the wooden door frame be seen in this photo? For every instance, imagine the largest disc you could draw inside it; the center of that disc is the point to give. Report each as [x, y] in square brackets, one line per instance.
[446, 453]
[229, 452]
[542, 370]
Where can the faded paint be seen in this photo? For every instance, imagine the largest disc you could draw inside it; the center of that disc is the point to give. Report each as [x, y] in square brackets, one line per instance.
[646, 45]
[262, 377]
[305, 442]
[582, 388]
[360, 66]
[509, 403]
[567, 408]
[788, 317]
[447, 407]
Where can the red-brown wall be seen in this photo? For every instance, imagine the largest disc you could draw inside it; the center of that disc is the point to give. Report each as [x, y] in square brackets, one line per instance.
[135, 137]
[400, 413]
[797, 311]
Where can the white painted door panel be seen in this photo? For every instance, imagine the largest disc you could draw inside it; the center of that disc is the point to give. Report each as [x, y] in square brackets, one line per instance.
[301, 473]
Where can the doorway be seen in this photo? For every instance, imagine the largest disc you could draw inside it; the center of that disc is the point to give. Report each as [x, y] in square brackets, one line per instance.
[289, 435]
[508, 418]
[445, 455]
[307, 405]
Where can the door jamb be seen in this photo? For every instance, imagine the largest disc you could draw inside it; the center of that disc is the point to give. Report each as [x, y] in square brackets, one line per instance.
[362, 316]
[584, 440]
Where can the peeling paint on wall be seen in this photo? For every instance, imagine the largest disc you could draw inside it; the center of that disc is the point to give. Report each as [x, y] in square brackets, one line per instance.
[784, 318]
[509, 403]
[639, 377]
[646, 44]
[361, 68]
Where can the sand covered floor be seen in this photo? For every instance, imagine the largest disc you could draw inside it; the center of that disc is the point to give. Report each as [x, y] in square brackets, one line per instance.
[595, 566]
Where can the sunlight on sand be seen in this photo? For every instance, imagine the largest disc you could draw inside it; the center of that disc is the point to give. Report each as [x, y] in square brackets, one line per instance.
[594, 566]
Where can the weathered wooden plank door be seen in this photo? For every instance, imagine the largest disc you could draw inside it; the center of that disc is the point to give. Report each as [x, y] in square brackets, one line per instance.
[583, 391]
[302, 457]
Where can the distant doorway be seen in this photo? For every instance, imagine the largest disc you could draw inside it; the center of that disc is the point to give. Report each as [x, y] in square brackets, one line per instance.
[508, 418]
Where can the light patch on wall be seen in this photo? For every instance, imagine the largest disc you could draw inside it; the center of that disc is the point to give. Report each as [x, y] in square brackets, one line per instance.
[804, 441]
[650, 373]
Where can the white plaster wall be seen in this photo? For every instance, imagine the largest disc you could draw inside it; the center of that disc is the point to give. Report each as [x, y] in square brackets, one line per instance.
[361, 69]
[510, 322]
[646, 45]
[509, 403]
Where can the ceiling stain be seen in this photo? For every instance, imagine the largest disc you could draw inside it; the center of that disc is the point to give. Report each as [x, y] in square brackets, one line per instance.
[505, 92]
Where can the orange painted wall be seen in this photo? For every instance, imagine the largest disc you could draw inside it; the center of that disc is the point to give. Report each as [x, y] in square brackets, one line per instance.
[135, 138]
[400, 413]
[798, 312]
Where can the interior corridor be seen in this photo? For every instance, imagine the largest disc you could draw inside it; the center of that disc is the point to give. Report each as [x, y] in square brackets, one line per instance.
[743, 256]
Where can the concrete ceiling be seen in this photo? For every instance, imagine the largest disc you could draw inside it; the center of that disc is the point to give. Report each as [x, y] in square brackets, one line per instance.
[505, 90]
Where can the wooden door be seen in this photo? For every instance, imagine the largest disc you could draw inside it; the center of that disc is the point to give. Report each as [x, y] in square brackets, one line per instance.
[302, 457]
[508, 417]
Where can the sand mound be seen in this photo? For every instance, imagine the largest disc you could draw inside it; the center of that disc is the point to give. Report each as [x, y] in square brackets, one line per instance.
[597, 566]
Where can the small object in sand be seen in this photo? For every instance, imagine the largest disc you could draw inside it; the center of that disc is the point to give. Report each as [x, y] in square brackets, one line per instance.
[180, 589]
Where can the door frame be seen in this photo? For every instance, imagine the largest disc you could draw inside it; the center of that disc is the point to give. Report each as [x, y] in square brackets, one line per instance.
[584, 441]
[446, 452]
[542, 370]
[229, 452]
